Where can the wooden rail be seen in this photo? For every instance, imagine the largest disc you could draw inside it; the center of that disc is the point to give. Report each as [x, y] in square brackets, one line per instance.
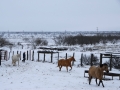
[111, 74]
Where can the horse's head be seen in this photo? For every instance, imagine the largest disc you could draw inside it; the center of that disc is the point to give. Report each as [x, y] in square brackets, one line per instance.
[18, 55]
[73, 59]
[104, 67]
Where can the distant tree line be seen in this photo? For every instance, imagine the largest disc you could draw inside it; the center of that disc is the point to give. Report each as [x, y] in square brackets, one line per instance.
[34, 42]
[82, 39]
[70, 40]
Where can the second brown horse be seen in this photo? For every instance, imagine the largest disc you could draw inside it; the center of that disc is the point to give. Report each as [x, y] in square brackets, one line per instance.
[66, 63]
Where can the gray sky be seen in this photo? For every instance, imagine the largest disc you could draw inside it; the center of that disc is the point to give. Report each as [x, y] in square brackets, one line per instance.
[59, 15]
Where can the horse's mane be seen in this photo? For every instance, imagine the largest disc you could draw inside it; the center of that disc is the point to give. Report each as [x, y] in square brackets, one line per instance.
[104, 64]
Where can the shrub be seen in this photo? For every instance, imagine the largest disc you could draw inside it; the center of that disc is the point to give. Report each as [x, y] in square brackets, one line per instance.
[40, 41]
[87, 60]
[115, 63]
[4, 42]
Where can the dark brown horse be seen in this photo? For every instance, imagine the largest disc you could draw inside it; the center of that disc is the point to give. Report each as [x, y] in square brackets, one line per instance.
[66, 63]
[97, 73]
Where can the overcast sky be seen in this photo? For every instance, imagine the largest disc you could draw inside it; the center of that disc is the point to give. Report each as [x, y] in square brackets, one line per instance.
[59, 15]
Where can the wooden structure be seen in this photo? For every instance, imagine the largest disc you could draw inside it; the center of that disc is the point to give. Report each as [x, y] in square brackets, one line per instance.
[47, 52]
[19, 52]
[91, 60]
[58, 49]
[3, 55]
[109, 55]
[50, 52]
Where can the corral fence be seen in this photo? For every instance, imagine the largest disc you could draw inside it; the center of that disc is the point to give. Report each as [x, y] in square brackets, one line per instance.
[51, 53]
[92, 58]
[29, 55]
[88, 60]
[3, 55]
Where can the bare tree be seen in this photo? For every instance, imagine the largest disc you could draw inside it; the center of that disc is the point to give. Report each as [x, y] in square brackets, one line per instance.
[4, 42]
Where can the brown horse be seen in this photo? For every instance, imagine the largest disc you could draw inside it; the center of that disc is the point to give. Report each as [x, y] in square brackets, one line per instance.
[97, 73]
[66, 63]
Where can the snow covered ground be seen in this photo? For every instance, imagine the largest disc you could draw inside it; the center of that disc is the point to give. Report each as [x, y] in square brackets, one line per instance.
[33, 75]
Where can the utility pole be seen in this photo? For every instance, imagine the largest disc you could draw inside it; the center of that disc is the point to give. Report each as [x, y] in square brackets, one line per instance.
[97, 31]
[8, 33]
[65, 33]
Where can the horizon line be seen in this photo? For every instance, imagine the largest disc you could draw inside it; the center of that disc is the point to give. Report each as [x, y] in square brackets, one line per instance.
[65, 31]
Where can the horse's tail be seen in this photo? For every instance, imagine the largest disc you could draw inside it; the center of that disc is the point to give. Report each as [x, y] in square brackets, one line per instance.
[58, 65]
[89, 79]
[12, 59]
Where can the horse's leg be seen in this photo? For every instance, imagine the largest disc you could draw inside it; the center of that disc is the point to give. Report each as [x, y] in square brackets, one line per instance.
[96, 80]
[100, 81]
[18, 62]
[90, 77]
[71, 68]
[15, 63]
[67, 68]
[12, 61]
[59, 68]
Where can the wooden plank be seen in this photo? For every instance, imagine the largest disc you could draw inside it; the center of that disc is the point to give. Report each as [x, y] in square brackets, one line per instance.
[111, 74]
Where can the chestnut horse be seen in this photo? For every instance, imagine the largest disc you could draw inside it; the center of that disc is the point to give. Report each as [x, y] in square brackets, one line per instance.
[66, 63]
[97, 73]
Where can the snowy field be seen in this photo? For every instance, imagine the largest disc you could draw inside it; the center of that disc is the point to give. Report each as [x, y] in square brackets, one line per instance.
[33, 75]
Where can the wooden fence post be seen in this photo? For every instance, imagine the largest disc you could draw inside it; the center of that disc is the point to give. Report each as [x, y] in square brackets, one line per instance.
[30, 54]
[33, 56]
[22, 46]
[73, 61]
[17, 52]
[51, 57]
[27, 55]
[58, 55]
[38, 56]
[20, 55]
[91, 60]
[81, 59]
[110, 62]
[44, 58]
[4, 55]
[100, 58]
[13, 52]
[9, 55]
[66, 56]
[0, 57]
